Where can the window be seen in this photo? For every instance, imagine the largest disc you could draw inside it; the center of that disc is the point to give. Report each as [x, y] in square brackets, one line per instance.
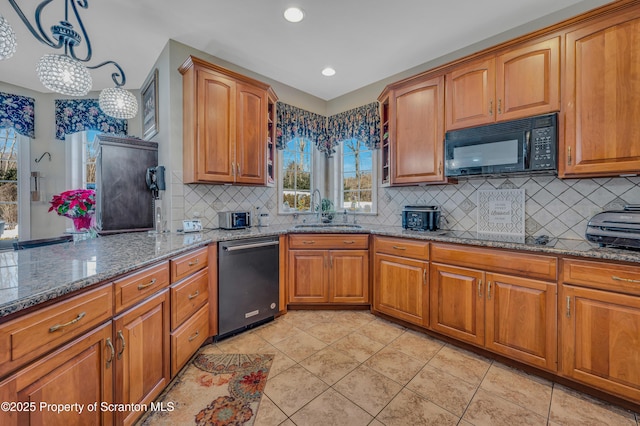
[357, 189]
[82, 152]
[8, 182]
[297, 160]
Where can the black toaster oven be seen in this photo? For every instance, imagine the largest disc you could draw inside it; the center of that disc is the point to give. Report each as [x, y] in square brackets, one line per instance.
[421, 218]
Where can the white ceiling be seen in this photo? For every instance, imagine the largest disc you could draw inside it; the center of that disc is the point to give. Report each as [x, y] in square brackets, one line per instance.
[364, 40]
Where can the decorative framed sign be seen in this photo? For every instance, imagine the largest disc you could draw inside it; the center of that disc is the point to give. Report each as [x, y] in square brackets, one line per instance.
[149, 96]
[501, 214]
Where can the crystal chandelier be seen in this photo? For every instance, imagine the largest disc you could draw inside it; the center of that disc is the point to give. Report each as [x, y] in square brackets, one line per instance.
[66, 73]
[7, 39]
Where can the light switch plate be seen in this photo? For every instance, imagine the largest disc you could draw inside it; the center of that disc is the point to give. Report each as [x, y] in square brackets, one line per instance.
[193, 225]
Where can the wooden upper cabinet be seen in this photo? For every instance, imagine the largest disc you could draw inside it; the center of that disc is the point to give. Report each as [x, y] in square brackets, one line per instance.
[225, 125]
[417, 145]
[518, 83]
[601, 95]
[528, 80]
[470, 94]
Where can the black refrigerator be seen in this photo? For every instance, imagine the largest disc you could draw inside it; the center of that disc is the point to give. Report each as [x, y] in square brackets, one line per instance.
[124, 202]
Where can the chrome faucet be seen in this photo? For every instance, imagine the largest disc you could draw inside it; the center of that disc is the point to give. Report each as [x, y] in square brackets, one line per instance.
[316, 204]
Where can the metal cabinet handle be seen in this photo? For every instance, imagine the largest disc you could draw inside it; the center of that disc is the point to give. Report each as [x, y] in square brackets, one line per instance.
[233, 168]
[349, 242]
[111, 350]
[480, 288]
[194, 295]
[440, 167]
[568, 306]
[491, 107]
[331, 261]
[628, 280]
[191, 338]
[195, 262]
[73, 321]
[308, 242]
[424, 276]
[124, 345]
[399, 248]
[238, 166]
[149, 284]
[499, 106]
[488, 290]
[569, 156]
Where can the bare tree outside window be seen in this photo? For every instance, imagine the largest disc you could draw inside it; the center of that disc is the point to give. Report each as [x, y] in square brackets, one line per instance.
[357, 176]
[296, 175]
[8, 179]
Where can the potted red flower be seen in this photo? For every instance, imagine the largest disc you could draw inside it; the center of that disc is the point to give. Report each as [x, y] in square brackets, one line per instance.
[77, 204]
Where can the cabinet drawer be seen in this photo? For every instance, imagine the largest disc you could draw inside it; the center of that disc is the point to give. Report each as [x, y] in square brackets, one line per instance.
[516, 263]
[402, 247]
[602, 275]
[328, 241]
[189, 263]
[186, 340]
[136, 287]
[25, 338]
[187, 296]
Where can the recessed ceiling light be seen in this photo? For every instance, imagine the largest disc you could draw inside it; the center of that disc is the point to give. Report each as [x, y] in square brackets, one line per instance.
[293, 14]
[328, 72]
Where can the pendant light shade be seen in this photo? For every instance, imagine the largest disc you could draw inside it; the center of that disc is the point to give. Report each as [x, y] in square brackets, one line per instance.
[62, 74]
[7, 39]
[118, 103]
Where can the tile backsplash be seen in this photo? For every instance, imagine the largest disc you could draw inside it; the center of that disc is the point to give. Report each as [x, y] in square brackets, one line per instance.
[555, 207]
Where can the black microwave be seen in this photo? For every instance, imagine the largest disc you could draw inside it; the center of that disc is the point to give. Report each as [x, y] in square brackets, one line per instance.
[523, 146]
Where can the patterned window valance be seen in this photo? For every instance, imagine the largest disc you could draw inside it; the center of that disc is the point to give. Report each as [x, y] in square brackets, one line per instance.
[294, 122]
[17, 112]
[362, 123]
[76, 115]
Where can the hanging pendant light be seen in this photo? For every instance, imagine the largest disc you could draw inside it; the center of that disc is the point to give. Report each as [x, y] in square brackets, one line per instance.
[7, 39]
[62, 74]
[118, 103]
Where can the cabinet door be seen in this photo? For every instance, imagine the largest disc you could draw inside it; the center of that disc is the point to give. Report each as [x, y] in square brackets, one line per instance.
[216, 106]
[141, 337]
[417, 150]
[521, 319]
[457, 302]
[251, 139]
[602, 98]
[528, 80]
[400, 288]
[470, 94]
[600, 340]
[78, 373]
[349, 276]
[308, 276]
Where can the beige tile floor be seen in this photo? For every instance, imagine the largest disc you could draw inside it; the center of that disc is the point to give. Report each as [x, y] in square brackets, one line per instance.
[352, 368]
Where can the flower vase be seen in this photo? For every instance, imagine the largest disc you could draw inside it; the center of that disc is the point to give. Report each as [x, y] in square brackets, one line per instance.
[82, 223]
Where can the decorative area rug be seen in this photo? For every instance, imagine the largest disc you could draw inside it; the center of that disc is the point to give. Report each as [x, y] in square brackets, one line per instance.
[214, 389]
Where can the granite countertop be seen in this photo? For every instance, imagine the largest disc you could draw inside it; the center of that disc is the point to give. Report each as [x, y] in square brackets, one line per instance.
[33, 276]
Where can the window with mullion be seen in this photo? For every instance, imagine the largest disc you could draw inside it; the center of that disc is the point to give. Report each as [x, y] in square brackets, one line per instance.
[357, 176]
[296, 175]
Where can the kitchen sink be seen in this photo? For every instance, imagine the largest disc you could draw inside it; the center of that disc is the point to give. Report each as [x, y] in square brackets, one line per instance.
[329, 225]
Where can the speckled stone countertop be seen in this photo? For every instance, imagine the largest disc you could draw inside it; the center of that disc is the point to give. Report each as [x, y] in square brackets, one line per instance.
[33, 276]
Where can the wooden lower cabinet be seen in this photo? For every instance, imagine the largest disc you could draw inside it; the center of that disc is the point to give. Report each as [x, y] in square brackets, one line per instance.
[142, 364]
[401, 288]
[600, 338]
[510, 315]
[80, 372]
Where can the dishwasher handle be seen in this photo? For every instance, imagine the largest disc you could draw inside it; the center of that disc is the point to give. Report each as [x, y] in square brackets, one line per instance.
[250, 246]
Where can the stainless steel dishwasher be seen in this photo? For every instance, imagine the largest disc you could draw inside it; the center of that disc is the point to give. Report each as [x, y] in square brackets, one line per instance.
[248, 283]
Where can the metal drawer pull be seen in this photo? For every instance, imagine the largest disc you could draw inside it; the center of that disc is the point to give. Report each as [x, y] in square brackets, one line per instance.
[399, 248]
[73, 321]
[112, 350]
[628, 280]
[194, 295]
[349, 242]
[191, 338]
[308, 242]
[480, 288]
[149, 284]
[124, 345]
[195, 262]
